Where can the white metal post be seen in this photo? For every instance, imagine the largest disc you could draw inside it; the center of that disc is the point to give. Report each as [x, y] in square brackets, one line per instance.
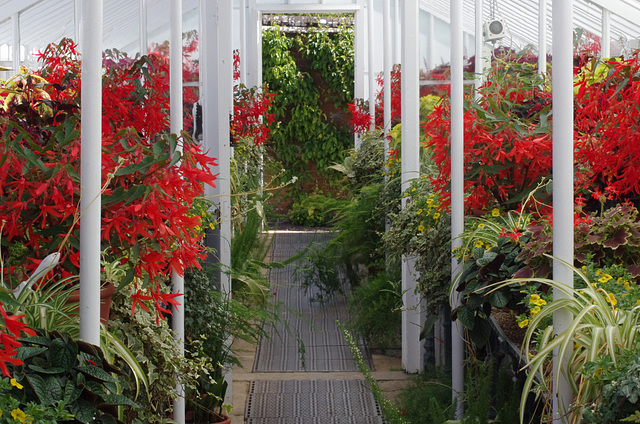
[15, 26]
[144, 34]
[605, 48]
[562, 86]
[217, 106]
[479, 68]
[91, 171]
[386, 31]
[397, 29]
[77, 10]
[243, 42]
[412, 312]
[542, 37]
[372, 75]
[457, 193]
[175, 75]
[359, 45]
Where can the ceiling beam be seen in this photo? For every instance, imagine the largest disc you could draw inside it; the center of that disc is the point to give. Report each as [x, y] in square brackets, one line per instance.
[11, 7]
[617, 7]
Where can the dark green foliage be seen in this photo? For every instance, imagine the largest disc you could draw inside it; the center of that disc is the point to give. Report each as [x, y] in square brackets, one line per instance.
[376, 307]
[315, 210]
[619, 398]
[301, 132]
[428, 399]
[483, 269]
[59, 369]
[477, 391]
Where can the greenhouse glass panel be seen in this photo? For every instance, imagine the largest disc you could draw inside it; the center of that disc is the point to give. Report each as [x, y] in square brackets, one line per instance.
[6, 48]
[122, 26]
[36, 34]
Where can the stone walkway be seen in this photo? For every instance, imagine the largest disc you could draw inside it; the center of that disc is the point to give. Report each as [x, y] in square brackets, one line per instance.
[285, 387]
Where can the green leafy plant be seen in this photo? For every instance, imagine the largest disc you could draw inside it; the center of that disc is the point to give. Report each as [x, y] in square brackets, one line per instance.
[14, 410]
[59, 369]
[315, 210]
[390, 412]
[597, 329]
[302, 131]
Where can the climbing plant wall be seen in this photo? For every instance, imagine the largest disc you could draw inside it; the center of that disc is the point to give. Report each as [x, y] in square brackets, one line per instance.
[312, 75]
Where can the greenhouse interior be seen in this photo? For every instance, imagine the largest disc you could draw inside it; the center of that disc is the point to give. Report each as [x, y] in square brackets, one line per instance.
[304, 211]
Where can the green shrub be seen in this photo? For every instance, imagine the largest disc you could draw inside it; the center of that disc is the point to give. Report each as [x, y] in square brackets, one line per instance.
[316, 210]
[375, 310]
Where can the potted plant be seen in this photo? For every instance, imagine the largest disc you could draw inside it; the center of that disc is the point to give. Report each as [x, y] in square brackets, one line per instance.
[207, 406]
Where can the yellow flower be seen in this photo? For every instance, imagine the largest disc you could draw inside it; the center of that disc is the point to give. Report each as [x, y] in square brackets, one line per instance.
[523, 323]
[540, 302]
[534, 298]
[419, 211]
[18, 414]
[487, 246]
[612, 299]
[421, 228]
[479, 243]
[15, 384]
[638, 302]
[481, 226]
[436, 215]
[495, 212]
[627, 285]
[535, 311]
[429, 200]
[605, 278]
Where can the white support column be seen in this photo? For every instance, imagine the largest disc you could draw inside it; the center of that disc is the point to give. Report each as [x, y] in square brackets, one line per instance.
[542, 37]
[479, 68]
[91, 171]
[217, 106]
[386, 31]
[412, 312]
[144, 34]
[359, 46]
[397, 38]
[562, 86]
[605, 48]
[15, 27]
[372, 75]
[457, 194]
[254, 47]
[175, 75]
[243, 42]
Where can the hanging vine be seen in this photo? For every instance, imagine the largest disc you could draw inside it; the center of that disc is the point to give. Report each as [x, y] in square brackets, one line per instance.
[302, 133]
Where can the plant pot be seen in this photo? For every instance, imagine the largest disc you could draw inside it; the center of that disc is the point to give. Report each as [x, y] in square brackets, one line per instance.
[106, 293]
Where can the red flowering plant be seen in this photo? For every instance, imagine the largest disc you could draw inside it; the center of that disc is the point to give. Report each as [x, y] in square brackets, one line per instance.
[507, 139]
[149, 185]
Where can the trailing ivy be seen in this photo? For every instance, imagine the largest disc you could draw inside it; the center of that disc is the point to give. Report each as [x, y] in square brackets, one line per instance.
[301, 132]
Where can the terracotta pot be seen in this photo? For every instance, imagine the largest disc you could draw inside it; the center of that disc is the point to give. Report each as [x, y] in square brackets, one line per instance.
[106, 292]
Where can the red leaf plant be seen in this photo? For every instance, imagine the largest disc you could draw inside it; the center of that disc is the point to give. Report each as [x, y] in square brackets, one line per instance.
[507, 150]
[607, 129]
[10, 331]
[149, 185]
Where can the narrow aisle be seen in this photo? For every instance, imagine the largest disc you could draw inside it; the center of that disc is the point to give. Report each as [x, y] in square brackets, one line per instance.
[340, 395]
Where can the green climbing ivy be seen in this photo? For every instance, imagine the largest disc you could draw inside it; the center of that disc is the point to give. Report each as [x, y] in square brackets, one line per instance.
[301, 132]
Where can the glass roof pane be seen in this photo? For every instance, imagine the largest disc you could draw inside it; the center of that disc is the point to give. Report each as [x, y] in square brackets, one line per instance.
[122, 26]
[35, 34]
